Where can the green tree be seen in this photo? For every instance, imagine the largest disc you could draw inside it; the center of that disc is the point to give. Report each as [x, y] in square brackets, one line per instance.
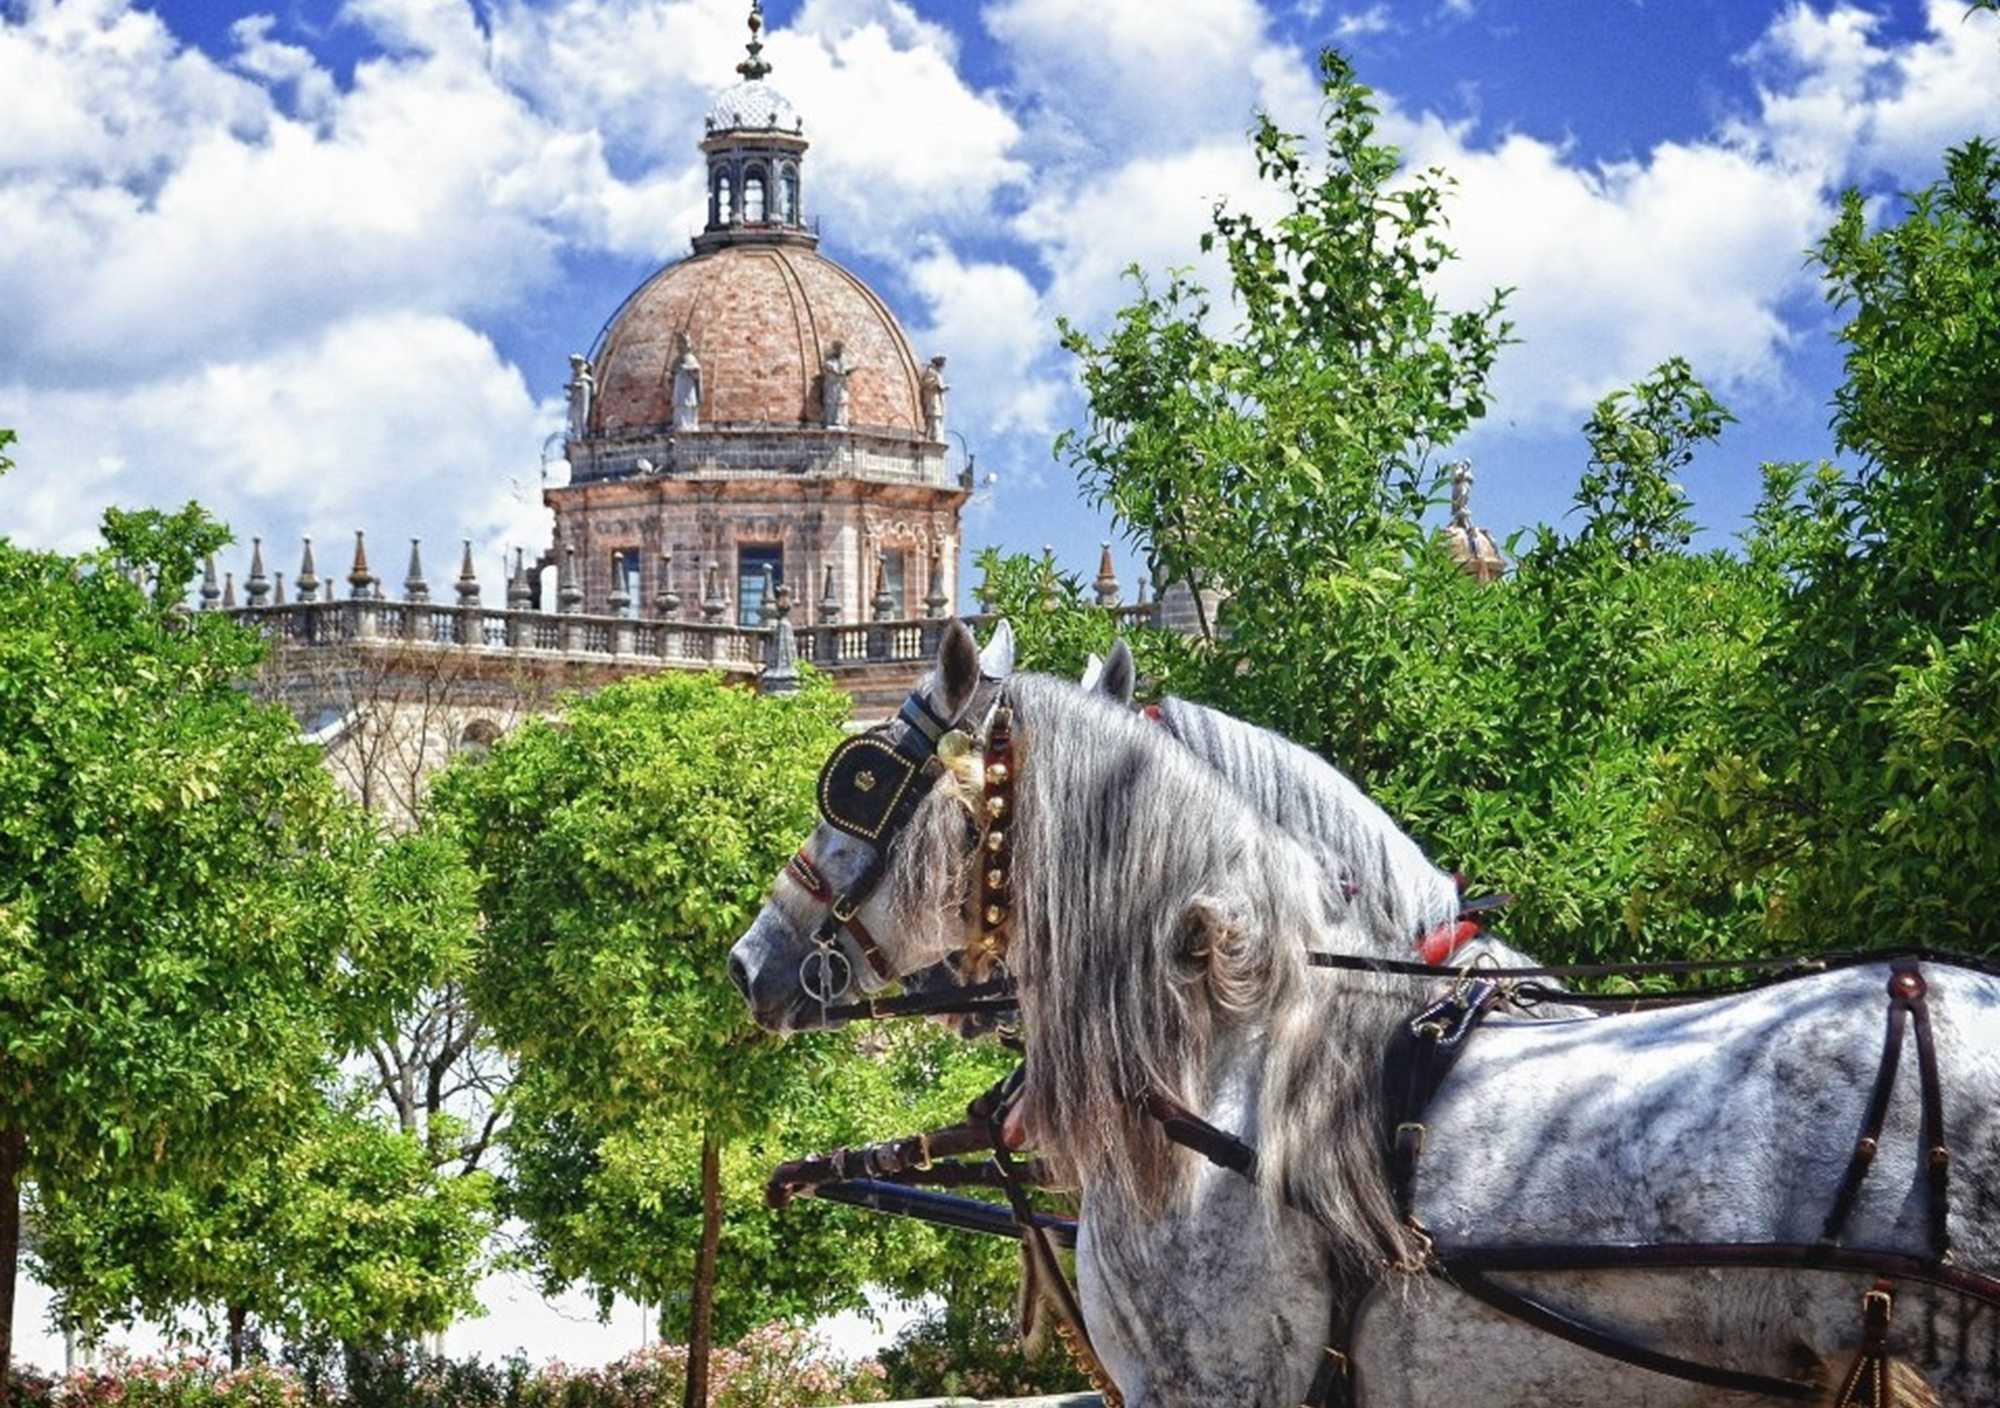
[182, 943]
[1860, 789]
[1289, 461]
[344, 1230]
[622, 852]
[1524, 730]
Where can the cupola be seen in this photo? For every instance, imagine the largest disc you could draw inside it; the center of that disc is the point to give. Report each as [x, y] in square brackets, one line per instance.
[755, 146]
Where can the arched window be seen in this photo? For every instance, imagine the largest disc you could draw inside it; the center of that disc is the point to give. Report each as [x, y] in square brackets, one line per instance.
[725, 200]
[788, 195]
[753, 196]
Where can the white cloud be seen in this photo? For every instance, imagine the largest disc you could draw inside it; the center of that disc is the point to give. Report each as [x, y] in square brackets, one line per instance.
[1120, 78]
[1614, 268]
[999, 337]
[1835, 98]
[404, 425]
[1363, 24]
[901, 143]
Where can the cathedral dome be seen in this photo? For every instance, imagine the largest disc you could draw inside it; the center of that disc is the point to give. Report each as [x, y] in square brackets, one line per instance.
[762, 320]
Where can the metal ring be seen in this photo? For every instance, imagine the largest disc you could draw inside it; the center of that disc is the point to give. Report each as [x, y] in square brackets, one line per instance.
[817, 970]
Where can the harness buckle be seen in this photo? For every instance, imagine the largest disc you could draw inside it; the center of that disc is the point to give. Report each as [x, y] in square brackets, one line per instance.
[844, 909]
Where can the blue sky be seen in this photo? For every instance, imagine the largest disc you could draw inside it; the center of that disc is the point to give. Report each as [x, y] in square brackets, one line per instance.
[320, 263]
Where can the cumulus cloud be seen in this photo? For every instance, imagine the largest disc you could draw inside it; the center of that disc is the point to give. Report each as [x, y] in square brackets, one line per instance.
[1613, 268]
[403, 424]
[1836, 98]
[999, 337]
[1128, 78]
[1363, 24]
[256, 278]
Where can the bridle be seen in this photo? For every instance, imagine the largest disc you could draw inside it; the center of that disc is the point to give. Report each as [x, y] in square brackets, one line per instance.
[870, 788]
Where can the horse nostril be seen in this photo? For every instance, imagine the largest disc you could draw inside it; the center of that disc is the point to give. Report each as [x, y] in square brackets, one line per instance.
[739, 974]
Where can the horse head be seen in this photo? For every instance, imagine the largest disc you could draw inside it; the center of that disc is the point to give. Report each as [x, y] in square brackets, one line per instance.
[843, 916]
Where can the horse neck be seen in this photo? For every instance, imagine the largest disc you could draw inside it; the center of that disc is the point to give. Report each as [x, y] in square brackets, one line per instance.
[1161, 922]
[1317, 804]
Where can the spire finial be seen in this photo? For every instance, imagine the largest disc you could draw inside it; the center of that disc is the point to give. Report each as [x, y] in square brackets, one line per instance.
[754, 67]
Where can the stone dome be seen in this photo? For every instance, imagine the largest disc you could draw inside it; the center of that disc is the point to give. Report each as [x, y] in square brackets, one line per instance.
[760, 318]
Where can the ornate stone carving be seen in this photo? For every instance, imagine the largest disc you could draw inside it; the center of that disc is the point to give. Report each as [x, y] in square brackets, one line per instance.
[833, 385]
[582, 390]
[931, 388]
[687, 384]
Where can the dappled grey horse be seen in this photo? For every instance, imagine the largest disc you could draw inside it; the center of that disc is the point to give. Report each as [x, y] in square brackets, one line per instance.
[1158, 928]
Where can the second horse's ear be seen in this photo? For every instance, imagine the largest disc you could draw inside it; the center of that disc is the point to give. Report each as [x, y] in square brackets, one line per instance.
[1119, 676]
[996, 662]
[957, 673]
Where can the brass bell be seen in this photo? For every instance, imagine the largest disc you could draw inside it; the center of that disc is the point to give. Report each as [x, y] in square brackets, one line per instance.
[996, 840]
[996, 806]
[996, 774]
[995, 916]
[996, 877]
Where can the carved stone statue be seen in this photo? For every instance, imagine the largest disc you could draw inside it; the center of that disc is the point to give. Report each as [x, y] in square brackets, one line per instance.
[931, 388]
[582, 390]
[1461, 493]
[687, 384]
[833, 385]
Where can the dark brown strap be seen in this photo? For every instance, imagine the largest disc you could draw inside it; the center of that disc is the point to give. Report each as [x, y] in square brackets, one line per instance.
[1907, 994]
[1045, 1272]
[1877, 1111]
[1566, 1327]
[1937, 1154]
[840, 913]
[1868, 1384]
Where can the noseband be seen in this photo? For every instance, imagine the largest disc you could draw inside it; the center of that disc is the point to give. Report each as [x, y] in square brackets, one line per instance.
[869, 788]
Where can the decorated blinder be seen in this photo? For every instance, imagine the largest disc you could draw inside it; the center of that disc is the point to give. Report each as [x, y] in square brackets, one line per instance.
[868, 789]
[864, 784]
[868, 786]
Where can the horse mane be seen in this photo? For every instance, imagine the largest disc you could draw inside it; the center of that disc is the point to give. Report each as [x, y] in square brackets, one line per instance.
[1317, 803]
[1161, 923]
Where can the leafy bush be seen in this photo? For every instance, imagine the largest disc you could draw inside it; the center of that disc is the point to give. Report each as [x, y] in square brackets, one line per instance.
[188, 1381]
[775, 1366]
[976, 1354]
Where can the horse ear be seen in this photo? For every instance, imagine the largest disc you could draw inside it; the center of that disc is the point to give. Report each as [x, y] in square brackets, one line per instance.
[1120, 676]
[1093, 673]
[957, 673]
[996, 662]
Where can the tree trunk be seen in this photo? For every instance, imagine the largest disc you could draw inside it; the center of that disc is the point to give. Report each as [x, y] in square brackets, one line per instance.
[701, 1311]
[13, 1142]
[238, 1317]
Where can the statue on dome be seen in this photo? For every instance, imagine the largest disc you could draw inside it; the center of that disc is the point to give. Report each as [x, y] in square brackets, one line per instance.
[1471, 546]
[833, 385]
[582, 390]
[931, 389]
[687, 384]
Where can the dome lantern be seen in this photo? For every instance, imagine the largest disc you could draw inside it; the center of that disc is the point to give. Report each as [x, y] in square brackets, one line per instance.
[755, 146]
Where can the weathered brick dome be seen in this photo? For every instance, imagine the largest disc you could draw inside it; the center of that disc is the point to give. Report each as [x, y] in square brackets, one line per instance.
[760, 318]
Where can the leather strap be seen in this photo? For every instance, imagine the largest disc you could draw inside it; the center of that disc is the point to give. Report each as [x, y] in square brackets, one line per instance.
[1546, 1318]
[841, 912]
[1907, 994]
